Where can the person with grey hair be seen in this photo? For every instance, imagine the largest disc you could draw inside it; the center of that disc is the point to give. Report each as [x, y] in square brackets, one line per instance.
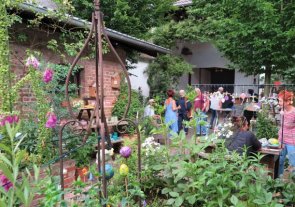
[184, 110]
[149, 110]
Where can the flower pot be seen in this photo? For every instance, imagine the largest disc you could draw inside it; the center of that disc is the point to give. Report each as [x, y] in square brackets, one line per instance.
[82, 172]
[64, 104]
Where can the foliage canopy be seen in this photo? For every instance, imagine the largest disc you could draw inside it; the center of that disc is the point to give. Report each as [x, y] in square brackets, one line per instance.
[164, 72]
[256, 36]
[135, 17]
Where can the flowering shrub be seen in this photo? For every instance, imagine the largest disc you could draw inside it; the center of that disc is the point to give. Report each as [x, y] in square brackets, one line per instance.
[149, 146]
[224, 130]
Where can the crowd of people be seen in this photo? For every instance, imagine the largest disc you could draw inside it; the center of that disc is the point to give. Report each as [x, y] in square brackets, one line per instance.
[179, 110]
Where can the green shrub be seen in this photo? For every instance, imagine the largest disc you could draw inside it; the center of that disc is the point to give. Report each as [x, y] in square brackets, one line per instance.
[136, 105]
[265, 126]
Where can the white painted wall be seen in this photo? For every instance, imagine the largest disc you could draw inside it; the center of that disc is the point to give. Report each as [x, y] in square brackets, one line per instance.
[140, 78]
[204, 55]
[242, 79]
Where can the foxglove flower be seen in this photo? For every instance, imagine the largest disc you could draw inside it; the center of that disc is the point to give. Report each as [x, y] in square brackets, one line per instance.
[51, 121]
[8, 119]
[125, 152]
[48, 75]
[32, 61]
[5, 183]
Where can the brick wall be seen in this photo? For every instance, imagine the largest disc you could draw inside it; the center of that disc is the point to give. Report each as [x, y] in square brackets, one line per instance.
[38, 41]
[69, 176]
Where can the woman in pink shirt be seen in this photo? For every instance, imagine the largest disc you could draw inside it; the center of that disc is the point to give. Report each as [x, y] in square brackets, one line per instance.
[201, 104]
[287, 130]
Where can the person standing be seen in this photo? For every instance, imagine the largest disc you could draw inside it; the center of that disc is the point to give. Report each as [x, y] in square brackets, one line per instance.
[149, 110]
[184, 112]
[287, 130]
[171, 111]
[199, 105]
[214, 106]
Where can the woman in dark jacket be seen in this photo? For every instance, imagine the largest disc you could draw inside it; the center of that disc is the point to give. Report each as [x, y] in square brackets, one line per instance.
[242, 138]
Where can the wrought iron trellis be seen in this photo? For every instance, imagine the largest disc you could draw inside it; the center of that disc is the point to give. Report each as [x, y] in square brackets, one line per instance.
[98, 29]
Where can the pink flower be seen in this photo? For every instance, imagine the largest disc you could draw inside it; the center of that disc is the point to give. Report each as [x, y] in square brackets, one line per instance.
[8, 119]
[32, 61]
[51, 121]
[5, 183]
[47, 76]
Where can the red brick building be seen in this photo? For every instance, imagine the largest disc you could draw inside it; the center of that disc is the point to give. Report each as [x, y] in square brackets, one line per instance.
[38, 38]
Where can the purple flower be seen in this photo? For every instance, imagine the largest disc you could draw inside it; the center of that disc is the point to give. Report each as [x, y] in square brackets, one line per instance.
[51, 121]
[226, 98]
[47, 76]
[125, 151]
[32, 61]
[5, 183]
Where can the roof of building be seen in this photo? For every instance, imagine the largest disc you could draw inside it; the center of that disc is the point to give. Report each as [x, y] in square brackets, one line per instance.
[43, 6]
[183, 3]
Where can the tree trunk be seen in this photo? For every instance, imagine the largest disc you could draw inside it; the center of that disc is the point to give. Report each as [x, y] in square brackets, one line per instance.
[267, 81]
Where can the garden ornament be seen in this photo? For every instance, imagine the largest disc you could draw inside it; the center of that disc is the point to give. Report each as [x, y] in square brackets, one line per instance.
[98, 32]
[124, 170]
[125, 151]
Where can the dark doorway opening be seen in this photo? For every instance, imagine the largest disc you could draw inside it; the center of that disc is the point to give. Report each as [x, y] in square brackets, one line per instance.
[223, 77]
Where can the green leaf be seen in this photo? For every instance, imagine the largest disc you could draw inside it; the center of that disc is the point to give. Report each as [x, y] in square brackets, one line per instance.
[170, 201]
[165, 190]
[158, 167]
[174, 194]
[234, 200]
[5, 148]
[9, 131]
[16, 148]
[4, 159]
[6, 172]
[178, 201]
[19, 157]
[268, 197]
[191, 199]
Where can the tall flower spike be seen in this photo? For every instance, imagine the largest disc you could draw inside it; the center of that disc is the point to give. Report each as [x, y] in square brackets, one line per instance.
[48, 75]
[32, 61]
[51, 121]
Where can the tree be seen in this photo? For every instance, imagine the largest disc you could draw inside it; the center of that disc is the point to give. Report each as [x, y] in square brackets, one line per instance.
[164, 72]
[135, 17]
[257, 36]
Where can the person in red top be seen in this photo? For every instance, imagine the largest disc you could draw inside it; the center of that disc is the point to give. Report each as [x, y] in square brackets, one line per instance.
[287, 130]
[201, 104]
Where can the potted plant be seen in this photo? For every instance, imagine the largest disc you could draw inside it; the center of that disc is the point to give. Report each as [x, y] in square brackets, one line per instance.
[82, 156]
